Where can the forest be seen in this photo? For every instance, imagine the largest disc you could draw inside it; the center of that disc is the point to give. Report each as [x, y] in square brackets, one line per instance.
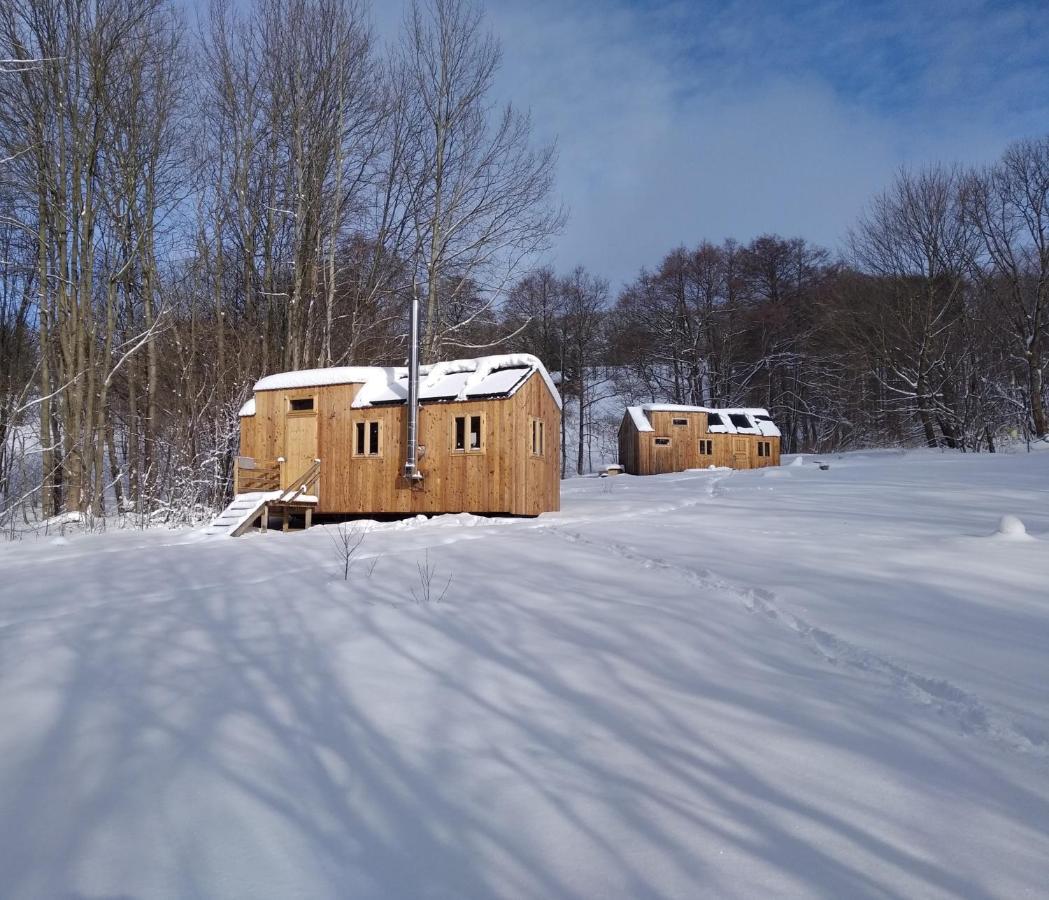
[191, 199]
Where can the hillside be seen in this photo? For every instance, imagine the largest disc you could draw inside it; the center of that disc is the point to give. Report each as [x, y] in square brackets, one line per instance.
[794, 682]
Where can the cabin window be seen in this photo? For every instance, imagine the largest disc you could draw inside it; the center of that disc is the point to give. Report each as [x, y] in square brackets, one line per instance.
[706, 448]
[468, 434]
[713, 419]
[538, 437]
[764, 448]
[662, 442]
[680, 421]
[739, 420]
[368, 439]
[300, 404]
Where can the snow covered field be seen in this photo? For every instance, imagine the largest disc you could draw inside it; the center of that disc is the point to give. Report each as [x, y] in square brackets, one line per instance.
[788, 682]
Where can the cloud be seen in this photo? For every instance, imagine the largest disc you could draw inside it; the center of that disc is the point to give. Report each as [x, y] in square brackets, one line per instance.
[683, 121]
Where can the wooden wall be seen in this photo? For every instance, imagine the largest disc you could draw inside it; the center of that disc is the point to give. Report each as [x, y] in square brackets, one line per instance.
[629, 446]
[641, 455]
[540, 490]
[504, 478]
[248, 442]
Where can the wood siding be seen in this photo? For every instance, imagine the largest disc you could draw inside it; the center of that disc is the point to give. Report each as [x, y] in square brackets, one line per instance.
[502, 478]
[300, 446]
[641, 454]
[248, 441]
[540, 490]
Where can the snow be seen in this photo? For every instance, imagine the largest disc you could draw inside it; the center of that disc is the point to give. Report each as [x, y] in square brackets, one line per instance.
[672, 407]
[763, 426]
[240, 509]
[460, 379]
[248, 409]
[285, 381]
[1012, 528]
[639, 418]
[760, 426]
[384, 386]
[501, 381]
[705, 684]
[448, 387]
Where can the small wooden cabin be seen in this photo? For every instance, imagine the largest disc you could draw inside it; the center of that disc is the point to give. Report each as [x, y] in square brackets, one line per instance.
[488, 435]
[663, 437]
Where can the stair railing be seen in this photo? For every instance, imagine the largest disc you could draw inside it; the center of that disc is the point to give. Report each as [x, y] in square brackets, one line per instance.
[255, 475]
[304, 482]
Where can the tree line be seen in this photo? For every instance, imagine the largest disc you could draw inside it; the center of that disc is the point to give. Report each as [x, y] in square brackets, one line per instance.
[930, 328]
[188, 204]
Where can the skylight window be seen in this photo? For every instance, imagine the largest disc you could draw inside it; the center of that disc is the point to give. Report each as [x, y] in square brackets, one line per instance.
[740, 420]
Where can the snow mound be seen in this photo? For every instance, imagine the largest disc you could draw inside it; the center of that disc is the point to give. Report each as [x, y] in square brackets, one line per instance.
[1012, 528]
[798, 460]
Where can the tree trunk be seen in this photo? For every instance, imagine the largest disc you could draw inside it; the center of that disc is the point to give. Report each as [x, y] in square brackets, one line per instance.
[1038, 414]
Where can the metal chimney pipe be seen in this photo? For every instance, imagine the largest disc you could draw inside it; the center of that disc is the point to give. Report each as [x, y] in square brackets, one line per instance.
[411, 461]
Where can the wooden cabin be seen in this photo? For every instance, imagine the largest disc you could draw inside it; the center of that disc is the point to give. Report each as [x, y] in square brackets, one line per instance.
[663, 437]
[488, 438]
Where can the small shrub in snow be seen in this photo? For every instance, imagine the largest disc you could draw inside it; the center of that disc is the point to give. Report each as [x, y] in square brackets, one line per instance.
[428, 582]
[347, 541]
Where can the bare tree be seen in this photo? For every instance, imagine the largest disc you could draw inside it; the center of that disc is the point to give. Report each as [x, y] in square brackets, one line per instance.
[69, 120]
[480, 194]
[914, 238]
[585, 302]
[1008, 204]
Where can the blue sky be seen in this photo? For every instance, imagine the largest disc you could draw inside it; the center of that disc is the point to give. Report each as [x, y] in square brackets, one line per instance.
[681, 121]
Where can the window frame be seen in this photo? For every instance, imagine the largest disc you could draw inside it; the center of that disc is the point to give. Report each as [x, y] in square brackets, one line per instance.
[292, 400]
[706, 447]
[466, 449]
[662, 441]
[537, 426]
[362, 429]
[679, 423]
[765, 449]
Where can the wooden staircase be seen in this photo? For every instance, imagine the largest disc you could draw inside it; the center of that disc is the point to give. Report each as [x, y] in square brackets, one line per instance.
[250, 506]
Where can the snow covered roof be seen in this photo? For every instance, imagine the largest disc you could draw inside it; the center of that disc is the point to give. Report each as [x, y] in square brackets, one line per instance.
[745, 421]
[639, 414]
[752, 420]
[248, 409]
[459, 379]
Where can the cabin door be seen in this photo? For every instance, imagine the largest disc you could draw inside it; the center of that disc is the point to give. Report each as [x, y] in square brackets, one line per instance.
[300, 446]
[740, 456]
